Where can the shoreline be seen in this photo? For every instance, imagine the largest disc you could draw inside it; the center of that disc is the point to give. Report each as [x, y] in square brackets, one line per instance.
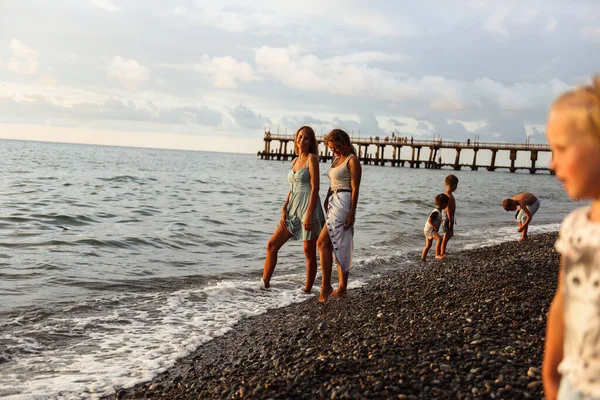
[470, 326]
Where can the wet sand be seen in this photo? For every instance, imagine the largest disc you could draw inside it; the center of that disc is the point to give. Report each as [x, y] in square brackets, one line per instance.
[470, 326]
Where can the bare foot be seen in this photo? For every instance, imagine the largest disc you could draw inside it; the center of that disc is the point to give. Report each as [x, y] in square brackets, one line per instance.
[522, 239]
[441, 257]
[264, 286]
[423, 259]
[306, 290]
[325, 294]
[339, 293]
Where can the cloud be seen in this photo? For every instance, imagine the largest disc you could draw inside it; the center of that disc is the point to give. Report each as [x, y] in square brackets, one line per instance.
[225, 72]
[113, 110]
[368, 57]
[24, 59]
[106, 5]
[551, 24]
[438, 124]
[505, 128]
[246, 118]
[367, 124]
[337, 75]
[302, 62]
[448, 96]
[517, 96]
[191, 115]
[592, 32]
[534, 132]
[179, 11]
[264, 17]
[396, 123]
[128, 72]
[293, 123]
[496, 23]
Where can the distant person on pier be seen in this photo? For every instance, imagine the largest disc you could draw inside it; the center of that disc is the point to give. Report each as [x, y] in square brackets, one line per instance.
[571, 365]
[301, 215]
[448, 219]
[527, 205]
[432, 226]
[337, 237]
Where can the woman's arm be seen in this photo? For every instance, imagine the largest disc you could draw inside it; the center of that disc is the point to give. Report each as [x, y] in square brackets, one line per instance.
[284, 214]
[553, 351]
[313, 170]
[355, 176]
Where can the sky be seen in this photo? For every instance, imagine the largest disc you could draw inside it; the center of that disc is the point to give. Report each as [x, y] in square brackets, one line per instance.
[213, 75]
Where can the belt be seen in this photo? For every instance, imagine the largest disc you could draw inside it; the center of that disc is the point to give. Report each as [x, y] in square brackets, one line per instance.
[330, 191]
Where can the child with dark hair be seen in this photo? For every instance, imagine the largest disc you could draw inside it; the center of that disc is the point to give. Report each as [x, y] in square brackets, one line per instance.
[433, 225]
[527, 205]
[448, 219]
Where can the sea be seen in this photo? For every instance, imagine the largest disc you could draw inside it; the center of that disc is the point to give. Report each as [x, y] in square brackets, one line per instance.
[115, 262]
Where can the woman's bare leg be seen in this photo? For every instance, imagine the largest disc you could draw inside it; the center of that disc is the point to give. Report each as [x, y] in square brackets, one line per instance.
[325, 253]
[310, 252]
[280, 236]
[342, 283]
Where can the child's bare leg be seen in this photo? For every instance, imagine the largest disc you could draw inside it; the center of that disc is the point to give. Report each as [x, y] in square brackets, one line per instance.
[447, 236]
[310, 252]
[280, 236]
[438, 245]
[428, 243]
[326, 255]
[523, 234]
[342, 283]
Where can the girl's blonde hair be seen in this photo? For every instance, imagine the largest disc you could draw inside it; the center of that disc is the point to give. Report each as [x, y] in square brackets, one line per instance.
[582, 104]
[308, 131]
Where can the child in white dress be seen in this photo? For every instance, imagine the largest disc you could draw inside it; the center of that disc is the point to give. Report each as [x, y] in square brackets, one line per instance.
[571, 368]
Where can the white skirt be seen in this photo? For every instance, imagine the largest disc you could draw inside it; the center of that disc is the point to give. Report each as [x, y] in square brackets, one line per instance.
[342, 239]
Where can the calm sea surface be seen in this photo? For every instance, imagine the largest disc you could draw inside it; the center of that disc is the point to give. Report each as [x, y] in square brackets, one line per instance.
[115, 261]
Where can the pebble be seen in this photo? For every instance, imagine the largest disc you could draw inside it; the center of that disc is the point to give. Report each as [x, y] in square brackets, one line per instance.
[469, 327]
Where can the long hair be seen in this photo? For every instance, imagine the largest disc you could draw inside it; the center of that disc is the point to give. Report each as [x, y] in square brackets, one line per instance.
[582, 105]
[340, 139]
[308, 132]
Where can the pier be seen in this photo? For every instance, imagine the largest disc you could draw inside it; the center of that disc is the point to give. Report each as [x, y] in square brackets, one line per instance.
[423, 153]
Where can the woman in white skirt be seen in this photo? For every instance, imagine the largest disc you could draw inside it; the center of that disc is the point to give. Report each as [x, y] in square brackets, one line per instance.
[337, 237]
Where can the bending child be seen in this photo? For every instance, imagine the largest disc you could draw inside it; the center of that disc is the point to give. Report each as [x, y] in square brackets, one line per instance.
[433, 225]
[448, 220]
[527, 204]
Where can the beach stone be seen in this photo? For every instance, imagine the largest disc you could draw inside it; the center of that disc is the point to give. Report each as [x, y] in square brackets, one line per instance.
[470, 327]
[534, 384]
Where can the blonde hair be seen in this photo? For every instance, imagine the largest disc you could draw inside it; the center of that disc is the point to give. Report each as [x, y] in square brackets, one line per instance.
[308, 132]
[582, 104]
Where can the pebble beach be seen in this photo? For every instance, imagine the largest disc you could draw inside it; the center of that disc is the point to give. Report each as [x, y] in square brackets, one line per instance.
[468, 327]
